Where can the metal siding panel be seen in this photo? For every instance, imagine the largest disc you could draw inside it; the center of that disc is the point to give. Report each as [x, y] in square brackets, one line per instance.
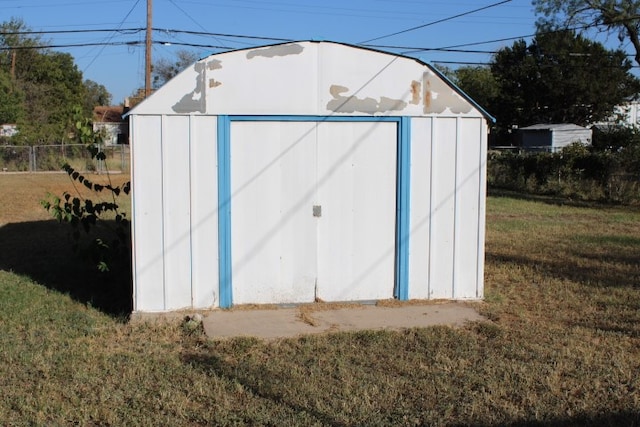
[443, 169]
[176, 211]
[467, 208]
[204, 212]
[357, 191]
[420, 210]
[147, 213]
[482, 203]
[272, 196]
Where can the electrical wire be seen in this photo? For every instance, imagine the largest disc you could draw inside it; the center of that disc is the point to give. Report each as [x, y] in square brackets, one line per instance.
[193, 20]
[110, 37]
[437, 22]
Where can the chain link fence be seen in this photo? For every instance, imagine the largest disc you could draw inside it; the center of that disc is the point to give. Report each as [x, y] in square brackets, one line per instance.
[44, 158]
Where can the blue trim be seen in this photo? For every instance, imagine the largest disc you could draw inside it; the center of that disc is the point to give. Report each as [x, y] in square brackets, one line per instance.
[401, 286]
[402, 214]
[224, 213]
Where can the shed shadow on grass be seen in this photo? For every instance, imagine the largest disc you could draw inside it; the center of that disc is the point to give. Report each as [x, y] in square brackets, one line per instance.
[550, 199]
[42, 251]
[614, 275]
[613, 419]
[260, 381]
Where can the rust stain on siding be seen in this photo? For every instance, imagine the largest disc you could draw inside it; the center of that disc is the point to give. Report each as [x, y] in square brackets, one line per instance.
[416, 87]
[194, 101]
[351, 104]
[427, 97]
[439, 97]
[279, 50]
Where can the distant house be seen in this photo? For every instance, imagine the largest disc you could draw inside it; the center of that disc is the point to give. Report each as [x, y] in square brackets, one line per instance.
[627, 115]
[8, 130]
[110, 121]
[552, 137]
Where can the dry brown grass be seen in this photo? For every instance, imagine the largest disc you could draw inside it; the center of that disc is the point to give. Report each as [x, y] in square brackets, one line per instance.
[21, 192]
[562, 346]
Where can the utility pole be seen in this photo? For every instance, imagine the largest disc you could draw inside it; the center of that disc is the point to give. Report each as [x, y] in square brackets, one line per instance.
[147, 56]
[13, 64]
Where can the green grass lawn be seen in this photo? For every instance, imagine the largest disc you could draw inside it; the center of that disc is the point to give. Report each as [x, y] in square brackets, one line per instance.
[562, 346]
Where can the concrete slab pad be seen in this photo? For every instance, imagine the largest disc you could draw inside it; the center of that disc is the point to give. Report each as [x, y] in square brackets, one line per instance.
[302, 320]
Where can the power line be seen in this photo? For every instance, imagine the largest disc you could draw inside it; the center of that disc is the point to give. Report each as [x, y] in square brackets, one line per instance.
[240, 36]
[559, 30]
[111, 36]
[437, 22]
[192, 20]
[100, 30]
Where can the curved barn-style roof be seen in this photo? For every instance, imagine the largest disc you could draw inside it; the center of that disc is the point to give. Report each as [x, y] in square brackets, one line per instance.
[310, 78]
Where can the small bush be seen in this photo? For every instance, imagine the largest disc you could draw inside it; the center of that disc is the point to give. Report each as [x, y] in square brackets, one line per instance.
[584, 173]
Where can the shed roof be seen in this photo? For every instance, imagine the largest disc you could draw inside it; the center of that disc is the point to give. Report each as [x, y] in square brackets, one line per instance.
[310, 78]
[108, 114]
[555, 127]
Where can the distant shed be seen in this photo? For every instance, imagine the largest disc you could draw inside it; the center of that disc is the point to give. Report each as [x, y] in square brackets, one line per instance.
[307, 171]
[552, 137]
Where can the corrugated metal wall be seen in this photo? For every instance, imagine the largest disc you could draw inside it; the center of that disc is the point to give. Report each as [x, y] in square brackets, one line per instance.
[175, 212]
[176, 218]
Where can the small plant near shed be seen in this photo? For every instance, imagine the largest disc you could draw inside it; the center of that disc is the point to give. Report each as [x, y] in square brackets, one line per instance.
[99, 221]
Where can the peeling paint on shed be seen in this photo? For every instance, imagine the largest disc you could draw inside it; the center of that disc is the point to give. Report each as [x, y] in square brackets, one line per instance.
[304, 171]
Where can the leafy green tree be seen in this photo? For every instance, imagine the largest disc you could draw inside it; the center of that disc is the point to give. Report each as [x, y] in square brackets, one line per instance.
[478, 82]
[11, 100]
[560, 77]
[95, 95]
[44, 85]
[613, 16]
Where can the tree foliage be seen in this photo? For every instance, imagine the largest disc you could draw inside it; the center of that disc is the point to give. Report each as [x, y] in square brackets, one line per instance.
[11, 100]
[614, 16]
[560, 77]
[478, 82]
[95, 95]
[39, 87]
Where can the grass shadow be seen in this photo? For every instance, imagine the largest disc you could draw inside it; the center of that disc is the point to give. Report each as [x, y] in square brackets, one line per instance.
[549, 199]
[260, 381]
[598, 420]
[614, 275]
[42, 251]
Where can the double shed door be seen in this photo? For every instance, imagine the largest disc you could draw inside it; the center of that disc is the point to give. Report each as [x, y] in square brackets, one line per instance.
[312, 210]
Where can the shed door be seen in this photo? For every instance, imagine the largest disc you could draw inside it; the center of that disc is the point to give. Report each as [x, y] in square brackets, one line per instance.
[312, 211]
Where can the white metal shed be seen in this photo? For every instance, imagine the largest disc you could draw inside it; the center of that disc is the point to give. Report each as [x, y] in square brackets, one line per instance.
[306, 171]
[553, 137]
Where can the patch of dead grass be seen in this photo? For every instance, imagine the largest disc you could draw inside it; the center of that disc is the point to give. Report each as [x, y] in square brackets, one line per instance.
[21, 193]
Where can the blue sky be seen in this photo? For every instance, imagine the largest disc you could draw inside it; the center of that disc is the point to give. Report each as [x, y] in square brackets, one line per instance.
[120, 67]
